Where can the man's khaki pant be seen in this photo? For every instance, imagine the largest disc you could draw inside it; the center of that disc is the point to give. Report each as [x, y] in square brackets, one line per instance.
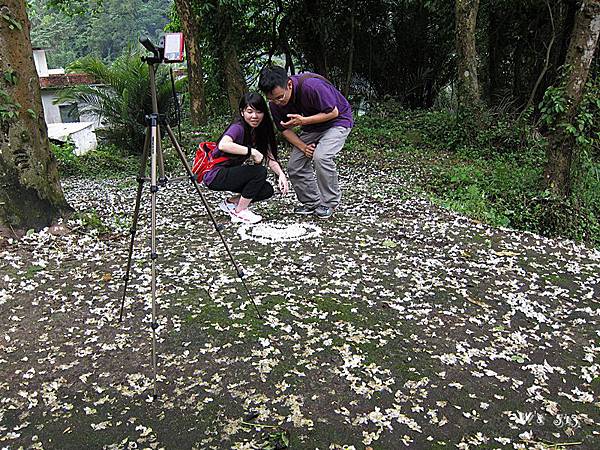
[322, 189]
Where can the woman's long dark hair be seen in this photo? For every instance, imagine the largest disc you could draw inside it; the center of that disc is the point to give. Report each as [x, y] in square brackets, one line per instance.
[264, 134]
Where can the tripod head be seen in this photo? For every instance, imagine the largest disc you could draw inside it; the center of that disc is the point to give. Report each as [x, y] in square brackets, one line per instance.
[169, 49]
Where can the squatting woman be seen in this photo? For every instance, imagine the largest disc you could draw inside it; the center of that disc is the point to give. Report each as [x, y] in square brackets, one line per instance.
[249, 136]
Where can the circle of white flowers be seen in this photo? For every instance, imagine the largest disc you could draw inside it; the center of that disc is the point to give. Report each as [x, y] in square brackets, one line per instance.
[266, 233]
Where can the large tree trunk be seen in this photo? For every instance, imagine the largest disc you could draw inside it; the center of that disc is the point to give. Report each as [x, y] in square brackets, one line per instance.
[584, 39]
[234, 80]
[466, 18]
[532, 96]
[30, 192]
[190, 24]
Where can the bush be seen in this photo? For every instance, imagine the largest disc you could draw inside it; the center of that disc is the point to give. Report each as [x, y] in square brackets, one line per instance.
[489, 168]
[66, 158]
[104, 162]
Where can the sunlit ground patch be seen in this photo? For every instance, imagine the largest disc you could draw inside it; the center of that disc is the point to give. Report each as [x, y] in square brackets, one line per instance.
[266, 233]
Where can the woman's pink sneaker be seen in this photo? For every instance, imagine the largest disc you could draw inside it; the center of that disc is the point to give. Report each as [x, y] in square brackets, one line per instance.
[244, 216]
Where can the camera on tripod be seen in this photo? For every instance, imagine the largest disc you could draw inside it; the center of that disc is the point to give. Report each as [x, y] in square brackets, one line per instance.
[169, 48]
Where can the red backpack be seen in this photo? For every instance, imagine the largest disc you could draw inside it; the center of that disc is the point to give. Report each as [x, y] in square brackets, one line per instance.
[205, 160]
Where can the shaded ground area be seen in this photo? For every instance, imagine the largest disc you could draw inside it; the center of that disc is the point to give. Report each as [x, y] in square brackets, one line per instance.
[401, 325]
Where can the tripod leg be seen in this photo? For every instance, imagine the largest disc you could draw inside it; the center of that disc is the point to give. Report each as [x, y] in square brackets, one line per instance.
[136, 211]
[162, 179]
[192, 177]
[154, 137]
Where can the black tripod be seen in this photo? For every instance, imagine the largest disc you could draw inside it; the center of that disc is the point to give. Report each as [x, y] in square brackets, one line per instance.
[157, 178]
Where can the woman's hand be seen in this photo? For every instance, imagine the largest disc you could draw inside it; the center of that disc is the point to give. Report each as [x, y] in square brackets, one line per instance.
[256, 156]
[283, 184]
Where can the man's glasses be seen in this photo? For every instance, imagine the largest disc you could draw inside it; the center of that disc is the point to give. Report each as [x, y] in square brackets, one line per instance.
[279, 98]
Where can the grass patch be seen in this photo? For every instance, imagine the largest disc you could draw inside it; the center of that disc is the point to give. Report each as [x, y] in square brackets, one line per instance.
[32, 271]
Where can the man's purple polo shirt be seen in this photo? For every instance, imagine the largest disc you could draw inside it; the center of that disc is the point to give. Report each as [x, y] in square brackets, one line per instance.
[316, 96]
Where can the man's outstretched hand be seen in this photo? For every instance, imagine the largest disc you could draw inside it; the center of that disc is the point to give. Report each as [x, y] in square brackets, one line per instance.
[295, 120]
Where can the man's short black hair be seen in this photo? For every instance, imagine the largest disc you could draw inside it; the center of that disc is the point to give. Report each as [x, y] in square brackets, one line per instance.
[272, 77]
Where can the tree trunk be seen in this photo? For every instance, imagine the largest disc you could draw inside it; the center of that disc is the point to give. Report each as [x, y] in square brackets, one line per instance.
[323, 63]
[568, 23]
[232, 71]
[517, 63]
[466, 18]
[280, 37]
[542, 74]
[190, 24]
[30, 192]
[584, 40]
[287, 51]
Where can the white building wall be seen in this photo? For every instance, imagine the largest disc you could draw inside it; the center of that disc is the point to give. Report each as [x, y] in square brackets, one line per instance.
[51, 111]
[41, 65]
[81, 133]
[84, 140]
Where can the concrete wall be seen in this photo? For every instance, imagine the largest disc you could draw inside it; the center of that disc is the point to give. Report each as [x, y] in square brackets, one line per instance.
[51, 111]
[84, 140]
[81, 133]
[41, 65]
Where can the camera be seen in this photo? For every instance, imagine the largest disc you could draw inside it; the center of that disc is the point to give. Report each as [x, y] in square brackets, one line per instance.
[169, 49]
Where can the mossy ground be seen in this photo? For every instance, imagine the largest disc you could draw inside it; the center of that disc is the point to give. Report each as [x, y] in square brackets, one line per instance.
[401, 325]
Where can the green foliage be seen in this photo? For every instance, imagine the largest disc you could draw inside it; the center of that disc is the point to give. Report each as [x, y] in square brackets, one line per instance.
[9, 109]
[74, 29]
[91, 220]
[494, 177]
[500, 190]
[276, 440]
[12, 23]
[121, 99]
[585, 125]
[104, 162]
[10, 76]
[66, 158]
[553, 105]
[587, 121]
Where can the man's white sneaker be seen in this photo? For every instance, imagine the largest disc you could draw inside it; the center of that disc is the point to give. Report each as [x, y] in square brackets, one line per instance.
[226, 206]
[244, 216]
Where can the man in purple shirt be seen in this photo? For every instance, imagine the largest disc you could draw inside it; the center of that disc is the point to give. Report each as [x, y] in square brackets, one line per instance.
[325, 119]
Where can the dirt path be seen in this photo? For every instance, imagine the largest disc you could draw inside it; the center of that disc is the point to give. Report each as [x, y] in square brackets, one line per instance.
[401, 325]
